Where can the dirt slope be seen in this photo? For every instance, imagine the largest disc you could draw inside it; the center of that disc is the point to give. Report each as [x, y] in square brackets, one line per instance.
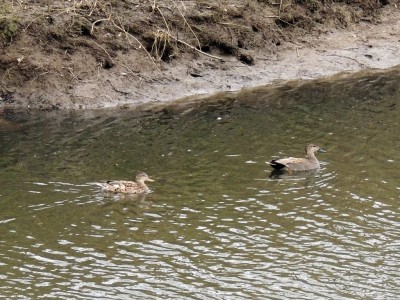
[97, 53]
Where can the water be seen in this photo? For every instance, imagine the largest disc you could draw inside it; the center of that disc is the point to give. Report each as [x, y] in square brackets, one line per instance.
[216, 225]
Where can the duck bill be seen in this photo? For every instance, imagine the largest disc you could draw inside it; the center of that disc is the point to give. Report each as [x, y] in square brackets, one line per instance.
[321, 150]
[150, 179]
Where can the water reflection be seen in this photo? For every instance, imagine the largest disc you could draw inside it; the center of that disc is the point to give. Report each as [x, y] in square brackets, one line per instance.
[294, 175]
[219, 224]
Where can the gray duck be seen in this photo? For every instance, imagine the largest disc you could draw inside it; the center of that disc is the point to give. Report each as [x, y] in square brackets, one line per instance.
[310, 162]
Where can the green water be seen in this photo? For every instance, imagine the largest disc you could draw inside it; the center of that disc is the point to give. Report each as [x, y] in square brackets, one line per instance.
[216, 225]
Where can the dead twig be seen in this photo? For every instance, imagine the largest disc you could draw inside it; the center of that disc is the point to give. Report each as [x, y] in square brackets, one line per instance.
[186, 22]
[102, 48]
[128, 36]
[117, 90]
[162, 15]
[71, 72]
[98, 21]
[353, 59]
[121, 28]
[193, 47]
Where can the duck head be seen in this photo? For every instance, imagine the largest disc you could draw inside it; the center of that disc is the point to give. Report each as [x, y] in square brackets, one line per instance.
[312, 148]
[142, 177]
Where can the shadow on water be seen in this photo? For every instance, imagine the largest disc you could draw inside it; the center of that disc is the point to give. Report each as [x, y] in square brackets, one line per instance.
[219, 223]
[307, 176]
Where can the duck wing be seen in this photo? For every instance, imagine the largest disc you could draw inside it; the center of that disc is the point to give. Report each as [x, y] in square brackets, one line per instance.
[121, 186]
[288, 162]
[125, 183]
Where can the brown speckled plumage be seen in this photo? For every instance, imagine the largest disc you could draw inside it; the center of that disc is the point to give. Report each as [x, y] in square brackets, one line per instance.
[128, 187]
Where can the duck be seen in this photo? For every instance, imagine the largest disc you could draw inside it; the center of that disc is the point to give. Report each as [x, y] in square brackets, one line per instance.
[128, 187]
[310, 162]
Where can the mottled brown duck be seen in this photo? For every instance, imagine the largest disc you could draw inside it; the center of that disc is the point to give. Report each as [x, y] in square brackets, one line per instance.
[128, 187]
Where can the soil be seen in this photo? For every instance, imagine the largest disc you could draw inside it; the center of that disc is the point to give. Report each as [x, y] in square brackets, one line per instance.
[91, 54]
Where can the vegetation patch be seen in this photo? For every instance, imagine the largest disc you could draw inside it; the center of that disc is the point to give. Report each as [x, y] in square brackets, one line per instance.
[9, 24]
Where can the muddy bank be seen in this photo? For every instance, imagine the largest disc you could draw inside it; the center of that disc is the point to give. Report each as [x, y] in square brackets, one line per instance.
[93, 56]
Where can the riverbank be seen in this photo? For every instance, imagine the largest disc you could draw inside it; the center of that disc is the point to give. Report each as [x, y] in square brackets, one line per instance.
[90, 56]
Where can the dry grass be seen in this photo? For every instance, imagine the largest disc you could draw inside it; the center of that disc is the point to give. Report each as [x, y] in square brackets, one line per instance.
[163, 38]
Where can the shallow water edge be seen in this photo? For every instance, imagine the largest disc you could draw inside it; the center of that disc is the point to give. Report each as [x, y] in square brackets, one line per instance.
[270, 94]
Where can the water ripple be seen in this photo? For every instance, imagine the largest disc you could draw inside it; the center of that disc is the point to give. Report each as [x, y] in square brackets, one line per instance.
[218, 225]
